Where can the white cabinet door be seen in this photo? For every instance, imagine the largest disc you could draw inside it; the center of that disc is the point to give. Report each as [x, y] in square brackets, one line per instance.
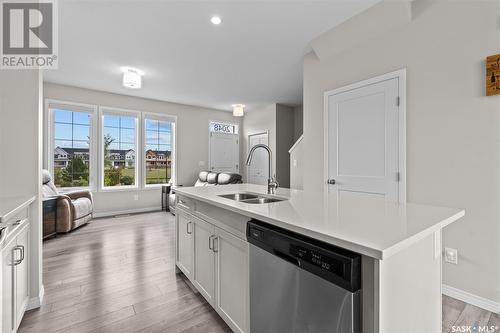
[184, 247]
[204, 261]
[21, 258]
[231, 273]
[8, 288]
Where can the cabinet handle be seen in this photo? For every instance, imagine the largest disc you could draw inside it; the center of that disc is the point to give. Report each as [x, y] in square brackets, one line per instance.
[187, 228]
[210, 242]
[21, 249]
[215, 249]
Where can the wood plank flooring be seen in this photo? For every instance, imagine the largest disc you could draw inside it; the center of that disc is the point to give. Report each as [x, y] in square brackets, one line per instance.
[117, 275]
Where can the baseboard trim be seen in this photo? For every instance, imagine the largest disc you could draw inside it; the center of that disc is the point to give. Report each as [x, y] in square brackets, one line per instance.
[475, 300]
[36, 302]
[127, 211]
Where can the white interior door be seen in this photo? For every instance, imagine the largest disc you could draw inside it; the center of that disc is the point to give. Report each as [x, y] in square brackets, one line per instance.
[224, 152]
[363, 139]
[257, 172]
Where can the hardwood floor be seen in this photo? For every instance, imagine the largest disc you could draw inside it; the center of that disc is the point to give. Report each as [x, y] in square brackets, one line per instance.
[117, 275]
[457, 313]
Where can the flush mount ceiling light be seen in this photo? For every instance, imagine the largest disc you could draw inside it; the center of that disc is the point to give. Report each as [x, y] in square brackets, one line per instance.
[216, 20]
[132, 77]
[238, 110]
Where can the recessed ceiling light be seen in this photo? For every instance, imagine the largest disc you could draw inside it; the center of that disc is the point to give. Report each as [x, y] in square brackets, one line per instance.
[238, 110]
[132, 77]
[216, 20]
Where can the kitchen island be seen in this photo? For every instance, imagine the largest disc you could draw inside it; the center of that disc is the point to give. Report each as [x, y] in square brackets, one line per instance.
[399, 244]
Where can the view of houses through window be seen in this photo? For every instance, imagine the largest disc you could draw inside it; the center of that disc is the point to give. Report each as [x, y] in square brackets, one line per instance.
[158, 148]
[119, 140]
[71, 148]
[119, 143]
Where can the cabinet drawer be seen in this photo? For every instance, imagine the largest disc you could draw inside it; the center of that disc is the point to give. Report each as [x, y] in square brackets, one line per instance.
[185, 203]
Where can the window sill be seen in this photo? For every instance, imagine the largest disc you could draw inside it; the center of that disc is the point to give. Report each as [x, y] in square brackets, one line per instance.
[154, 187]
[119, 189]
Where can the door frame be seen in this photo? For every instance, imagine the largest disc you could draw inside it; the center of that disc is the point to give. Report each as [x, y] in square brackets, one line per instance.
[247, 167]
[401, 76]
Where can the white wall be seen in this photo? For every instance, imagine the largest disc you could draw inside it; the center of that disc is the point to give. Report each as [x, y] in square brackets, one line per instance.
[453, 130]
[21, 152]
[192, 140]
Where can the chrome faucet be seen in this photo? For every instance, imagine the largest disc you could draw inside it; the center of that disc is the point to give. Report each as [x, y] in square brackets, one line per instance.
[272, 184]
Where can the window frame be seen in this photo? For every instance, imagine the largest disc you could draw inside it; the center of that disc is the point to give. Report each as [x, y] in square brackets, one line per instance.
[108, 110]
[161, 117]
[50, 106]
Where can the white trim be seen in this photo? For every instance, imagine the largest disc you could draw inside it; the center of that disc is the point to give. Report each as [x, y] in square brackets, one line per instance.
[107, 110]
[296, 144]
[48, 123]
[401, 76]
[127, 211]
[173, 154]
[472, 299]
[36, 302]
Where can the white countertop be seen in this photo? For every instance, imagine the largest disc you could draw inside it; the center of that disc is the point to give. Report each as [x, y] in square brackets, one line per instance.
[369, 226]
[10, 206]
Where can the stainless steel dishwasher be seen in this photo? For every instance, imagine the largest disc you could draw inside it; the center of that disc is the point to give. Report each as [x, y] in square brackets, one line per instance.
[298, 284]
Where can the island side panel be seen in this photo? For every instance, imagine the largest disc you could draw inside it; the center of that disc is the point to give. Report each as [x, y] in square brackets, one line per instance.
[409, 293]
[369, 295]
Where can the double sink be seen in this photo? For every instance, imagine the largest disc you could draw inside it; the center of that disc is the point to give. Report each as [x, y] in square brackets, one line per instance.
[251, 198]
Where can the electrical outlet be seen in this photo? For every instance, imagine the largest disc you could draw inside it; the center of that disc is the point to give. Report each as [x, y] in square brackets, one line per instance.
[451, 255]
[201, 163]
[294, 162]
[136, 197]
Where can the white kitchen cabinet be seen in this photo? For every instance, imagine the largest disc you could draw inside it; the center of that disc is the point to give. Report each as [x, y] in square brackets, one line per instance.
[231, 276]
[15, 280]
[21, 259]
[204, 261]
[216, 262]
[8, 287]
[184, 246]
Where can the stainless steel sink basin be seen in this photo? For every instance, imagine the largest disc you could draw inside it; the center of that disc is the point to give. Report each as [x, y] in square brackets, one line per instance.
[239, 196]
[262, 200]
[251, 198]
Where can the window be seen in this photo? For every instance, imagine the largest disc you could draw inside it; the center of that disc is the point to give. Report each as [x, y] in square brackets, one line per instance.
[70, 144]
[119, 146]
[158, 150]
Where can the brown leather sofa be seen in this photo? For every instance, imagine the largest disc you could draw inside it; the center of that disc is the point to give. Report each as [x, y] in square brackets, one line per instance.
[74, 209]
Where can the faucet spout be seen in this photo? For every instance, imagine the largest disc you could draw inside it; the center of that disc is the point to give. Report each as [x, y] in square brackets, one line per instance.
[272, 184]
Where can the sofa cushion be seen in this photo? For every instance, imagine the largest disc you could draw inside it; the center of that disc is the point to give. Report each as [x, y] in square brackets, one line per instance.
[228, 178]
[212, 178]
[202, 176]
[82, 206]
[46, 177]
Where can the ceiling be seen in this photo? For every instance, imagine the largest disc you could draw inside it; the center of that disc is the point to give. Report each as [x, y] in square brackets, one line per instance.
[254, 57]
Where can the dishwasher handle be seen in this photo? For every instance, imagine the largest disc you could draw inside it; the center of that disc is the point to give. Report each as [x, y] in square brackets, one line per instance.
[286, 257]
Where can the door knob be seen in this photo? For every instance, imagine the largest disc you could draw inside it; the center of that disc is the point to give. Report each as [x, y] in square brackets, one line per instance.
[330, 181]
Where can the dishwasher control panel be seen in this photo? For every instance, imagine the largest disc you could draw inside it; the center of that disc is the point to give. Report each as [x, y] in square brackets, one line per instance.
[318, 259]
